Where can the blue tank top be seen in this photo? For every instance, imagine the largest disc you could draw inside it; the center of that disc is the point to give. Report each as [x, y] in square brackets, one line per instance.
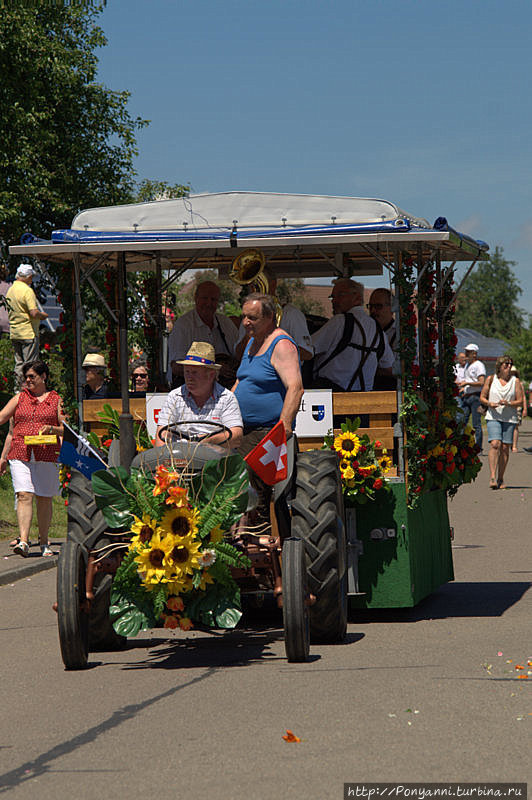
[260, 391]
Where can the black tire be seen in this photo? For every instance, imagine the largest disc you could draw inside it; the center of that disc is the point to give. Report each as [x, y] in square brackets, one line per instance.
[87, 526]
[318, 519]
[73, 622]
[295, 609]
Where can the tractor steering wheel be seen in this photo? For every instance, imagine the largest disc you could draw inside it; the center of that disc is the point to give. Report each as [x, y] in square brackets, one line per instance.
[174, 428]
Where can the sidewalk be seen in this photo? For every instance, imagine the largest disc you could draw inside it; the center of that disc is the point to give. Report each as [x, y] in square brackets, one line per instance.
[14, 567]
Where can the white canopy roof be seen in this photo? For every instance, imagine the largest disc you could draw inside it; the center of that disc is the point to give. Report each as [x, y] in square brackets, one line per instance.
[245, 209]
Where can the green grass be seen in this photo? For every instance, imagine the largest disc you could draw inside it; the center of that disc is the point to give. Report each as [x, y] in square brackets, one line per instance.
[8, 516]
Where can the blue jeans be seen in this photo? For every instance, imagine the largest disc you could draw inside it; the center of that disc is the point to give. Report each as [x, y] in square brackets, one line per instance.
[470, 404]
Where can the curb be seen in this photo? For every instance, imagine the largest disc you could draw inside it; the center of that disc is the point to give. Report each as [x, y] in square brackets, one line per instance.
[24, 570]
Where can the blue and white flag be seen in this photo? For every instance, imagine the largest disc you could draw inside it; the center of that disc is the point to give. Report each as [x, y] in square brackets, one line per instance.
[76, 452]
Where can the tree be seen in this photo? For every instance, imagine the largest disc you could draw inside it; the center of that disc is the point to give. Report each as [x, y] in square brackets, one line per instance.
[160, 190]
[66, 141]
[488, 300]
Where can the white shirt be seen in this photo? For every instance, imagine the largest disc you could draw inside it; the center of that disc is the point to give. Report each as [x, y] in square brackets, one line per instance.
[472, 372]
[294, 323]
[191, 328]
[341, 369]
[499, 392]
[222, 406]
[459, 373]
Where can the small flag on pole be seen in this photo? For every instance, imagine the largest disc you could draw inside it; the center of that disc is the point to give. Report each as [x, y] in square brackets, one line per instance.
[76, 452]
[269, 458]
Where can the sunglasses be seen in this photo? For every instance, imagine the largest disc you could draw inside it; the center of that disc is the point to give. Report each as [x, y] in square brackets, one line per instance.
[140, 376]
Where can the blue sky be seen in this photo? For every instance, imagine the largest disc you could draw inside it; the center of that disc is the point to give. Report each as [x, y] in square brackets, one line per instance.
[425, 104]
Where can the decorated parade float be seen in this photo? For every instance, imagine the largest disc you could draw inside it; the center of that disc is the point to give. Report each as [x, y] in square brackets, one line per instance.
[361, 517]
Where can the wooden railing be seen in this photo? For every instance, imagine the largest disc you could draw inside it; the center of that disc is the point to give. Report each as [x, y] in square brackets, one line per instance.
[379, 407]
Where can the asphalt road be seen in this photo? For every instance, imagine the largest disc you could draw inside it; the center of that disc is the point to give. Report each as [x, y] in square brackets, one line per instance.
[429, 694]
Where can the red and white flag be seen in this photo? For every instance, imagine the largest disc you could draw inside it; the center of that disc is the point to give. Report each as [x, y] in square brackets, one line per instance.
[269, 458]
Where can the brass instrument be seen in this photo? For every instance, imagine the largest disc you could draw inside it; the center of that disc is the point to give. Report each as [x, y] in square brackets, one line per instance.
[248, 268]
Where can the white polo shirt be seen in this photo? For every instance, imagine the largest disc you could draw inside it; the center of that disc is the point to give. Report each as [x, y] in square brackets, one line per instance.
[341, 369]
[472, 372]
[191, 328]
[222, 406]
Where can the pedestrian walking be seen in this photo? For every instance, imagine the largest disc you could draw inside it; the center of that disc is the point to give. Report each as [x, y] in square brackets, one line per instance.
[521, 410]
[471, 386]
[502, 394]
[34, 468]
[24, 318]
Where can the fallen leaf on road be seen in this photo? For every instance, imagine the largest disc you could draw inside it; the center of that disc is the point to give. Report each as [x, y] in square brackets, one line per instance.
[499, 653]
[522, 677]
[291, 737]
[519, 666]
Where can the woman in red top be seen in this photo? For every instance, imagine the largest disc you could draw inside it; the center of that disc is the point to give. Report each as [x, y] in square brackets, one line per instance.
[34, 468]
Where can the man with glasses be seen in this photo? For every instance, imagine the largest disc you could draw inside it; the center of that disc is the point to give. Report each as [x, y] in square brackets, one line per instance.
[470, 388]
[380, 308]
[351, 348]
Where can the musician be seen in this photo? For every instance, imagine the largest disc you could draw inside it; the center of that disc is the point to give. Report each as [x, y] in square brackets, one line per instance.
[351, 348]
[203, 324]
[380, 308]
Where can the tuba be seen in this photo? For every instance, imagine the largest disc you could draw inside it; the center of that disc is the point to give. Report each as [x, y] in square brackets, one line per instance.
[248, 269]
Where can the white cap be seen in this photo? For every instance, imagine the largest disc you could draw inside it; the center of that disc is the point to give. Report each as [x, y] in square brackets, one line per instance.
[24, 271]
[472, 347]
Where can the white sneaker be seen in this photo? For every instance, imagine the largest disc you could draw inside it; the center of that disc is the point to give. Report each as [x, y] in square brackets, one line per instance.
[46, 550]
[21, 549]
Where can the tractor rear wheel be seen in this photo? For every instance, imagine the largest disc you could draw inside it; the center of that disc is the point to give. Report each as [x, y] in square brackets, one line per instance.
[318, 519]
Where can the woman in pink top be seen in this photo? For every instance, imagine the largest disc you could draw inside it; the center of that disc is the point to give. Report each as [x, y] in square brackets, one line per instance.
[34, 468]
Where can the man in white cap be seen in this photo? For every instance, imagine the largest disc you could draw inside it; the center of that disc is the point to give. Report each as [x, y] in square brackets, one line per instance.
[470, 388]
[24, 319]
[202, 398]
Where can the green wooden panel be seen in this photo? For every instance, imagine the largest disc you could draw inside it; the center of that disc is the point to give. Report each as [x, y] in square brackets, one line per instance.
[399, 572]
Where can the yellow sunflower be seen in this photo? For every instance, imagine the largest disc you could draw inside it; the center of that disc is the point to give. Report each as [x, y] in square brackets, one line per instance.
[181, 521]
[184, 556]
[385, 463]
[348, 473]
[348, 444]
[153, 559]
[144, 529]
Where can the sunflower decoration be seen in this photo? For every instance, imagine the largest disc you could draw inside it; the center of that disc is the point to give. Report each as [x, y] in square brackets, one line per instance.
[181, 521]
[385, 464]
[153, 560]
[347, 444]
[143, 530]
[362, 468]
[177, 565]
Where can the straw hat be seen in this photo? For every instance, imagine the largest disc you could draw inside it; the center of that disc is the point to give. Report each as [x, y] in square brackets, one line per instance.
[94, 360]
[201, 354]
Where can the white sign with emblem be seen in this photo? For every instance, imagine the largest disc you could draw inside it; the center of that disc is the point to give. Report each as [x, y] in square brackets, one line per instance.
[315, 415]
[154, 403]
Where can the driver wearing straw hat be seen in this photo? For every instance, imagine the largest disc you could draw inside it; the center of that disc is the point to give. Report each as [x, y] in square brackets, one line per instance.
[202, 398]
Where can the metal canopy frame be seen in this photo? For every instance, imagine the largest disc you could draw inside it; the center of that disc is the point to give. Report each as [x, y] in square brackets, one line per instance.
[328, 255]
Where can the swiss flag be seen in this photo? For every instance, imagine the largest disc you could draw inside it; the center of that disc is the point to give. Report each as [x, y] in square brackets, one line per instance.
[268, 459]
